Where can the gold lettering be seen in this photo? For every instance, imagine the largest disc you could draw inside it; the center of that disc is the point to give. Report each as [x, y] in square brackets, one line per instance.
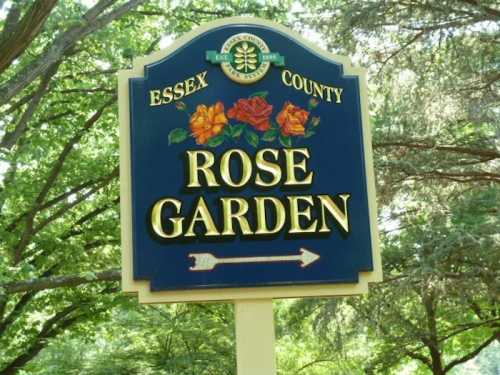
[189, 85]
[202, 214]
[308, 86]
[239, 215]
[295, 214]
[279, 208]
[338, 93]
[283, 77]
[273, 168]
[328, 93]
[311, 87]
[298, 84]
[202, 80]
[194, 168]
[155, 98]
[178, 90]
[291, 166]
[246, 167]
[176, 221]
[318, 89]
[167, 95]
[341, 217]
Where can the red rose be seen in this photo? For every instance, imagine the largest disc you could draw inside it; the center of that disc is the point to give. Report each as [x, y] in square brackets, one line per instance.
[254, 111]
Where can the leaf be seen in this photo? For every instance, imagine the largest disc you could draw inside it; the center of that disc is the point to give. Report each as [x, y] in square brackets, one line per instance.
[251, 138]
[309, 133]
[228, 131]
[177, 135]
[270, 135]
[237, 130]
[262, 94]
[216, 141]
[285, 141]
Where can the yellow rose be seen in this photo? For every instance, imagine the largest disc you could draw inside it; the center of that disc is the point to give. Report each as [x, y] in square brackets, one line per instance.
[207, 122]
[292, 119]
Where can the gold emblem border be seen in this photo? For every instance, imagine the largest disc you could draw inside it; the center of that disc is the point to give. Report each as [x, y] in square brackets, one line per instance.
[142, 288]
[240, 77]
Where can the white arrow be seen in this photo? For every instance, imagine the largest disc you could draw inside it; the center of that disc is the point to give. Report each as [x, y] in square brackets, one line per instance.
[207, 261]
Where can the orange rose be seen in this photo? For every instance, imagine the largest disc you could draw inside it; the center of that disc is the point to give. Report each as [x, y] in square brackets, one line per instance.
[207, 122]
[255, 111]
[292, 119]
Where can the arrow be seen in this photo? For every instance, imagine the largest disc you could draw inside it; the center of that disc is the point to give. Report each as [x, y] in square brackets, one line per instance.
[207, 261]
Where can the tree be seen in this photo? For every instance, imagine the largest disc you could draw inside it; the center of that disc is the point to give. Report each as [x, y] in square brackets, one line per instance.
[59, 248]
[434, 104]
[434, 95]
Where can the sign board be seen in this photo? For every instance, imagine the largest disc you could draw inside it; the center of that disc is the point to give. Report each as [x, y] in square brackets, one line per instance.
[246, 169]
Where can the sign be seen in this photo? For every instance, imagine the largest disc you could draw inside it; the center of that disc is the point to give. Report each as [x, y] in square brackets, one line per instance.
[246, 169]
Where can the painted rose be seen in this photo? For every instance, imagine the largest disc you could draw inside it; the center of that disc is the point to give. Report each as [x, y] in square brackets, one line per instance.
[207, 122]
[292, 119]
[255, 111]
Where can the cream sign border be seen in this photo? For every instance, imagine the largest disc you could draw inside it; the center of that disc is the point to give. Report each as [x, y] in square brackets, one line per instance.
[142, 288]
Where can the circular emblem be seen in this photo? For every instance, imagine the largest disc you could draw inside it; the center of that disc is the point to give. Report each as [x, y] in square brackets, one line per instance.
[246, 65]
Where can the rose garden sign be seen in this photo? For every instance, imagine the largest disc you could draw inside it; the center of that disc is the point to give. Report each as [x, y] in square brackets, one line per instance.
[246, 169]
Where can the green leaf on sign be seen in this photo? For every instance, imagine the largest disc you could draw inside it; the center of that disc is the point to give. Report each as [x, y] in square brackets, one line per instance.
[228, 131]
[270, 135]
[251, 138]
[177, 135]
[262, 94]
[285, 141]
[238, 129]
[215, 141]
[309, 133]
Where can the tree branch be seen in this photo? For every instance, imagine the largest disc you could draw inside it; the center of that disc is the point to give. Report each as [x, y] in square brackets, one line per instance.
[90, 23]
[53, 174]
[21, 36]
[472, 354]
[10, 139]
[484, 153]
[483, 8]
[53, 282]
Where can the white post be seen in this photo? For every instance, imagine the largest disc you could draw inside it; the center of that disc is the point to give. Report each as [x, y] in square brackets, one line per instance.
[255, 351]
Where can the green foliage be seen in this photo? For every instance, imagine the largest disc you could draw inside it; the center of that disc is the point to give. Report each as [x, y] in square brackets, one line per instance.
[433, 83]
[177, 135]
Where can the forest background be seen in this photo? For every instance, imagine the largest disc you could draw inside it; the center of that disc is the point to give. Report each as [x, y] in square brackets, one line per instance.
[434, 73]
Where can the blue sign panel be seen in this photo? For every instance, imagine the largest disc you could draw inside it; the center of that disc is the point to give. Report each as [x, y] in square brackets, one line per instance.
[247, 165]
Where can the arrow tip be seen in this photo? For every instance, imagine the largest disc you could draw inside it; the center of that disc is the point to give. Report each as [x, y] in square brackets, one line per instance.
[308, 257]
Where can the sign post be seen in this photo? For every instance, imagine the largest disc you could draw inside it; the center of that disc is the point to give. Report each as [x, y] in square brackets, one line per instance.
[246, 175]
[255, 339]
